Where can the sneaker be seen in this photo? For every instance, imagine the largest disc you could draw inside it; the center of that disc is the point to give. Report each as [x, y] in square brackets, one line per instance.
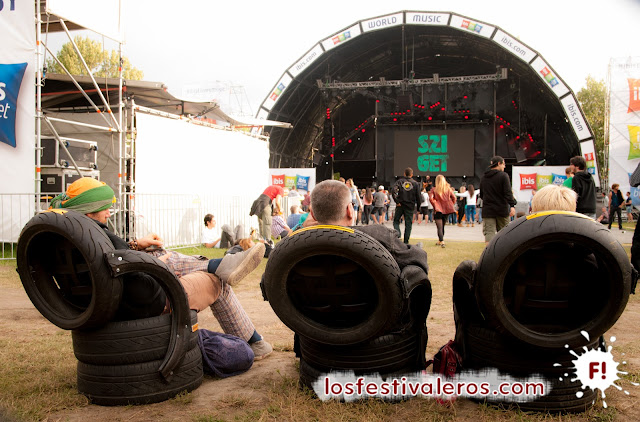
[261, 349]
[235, 267]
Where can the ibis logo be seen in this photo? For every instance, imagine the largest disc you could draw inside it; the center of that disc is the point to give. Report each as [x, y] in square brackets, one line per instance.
[341, 37]
[471, 26]
[276, 92]
[10, 81]
[277, 180]
[528, 181]
[634, 95]
[549, 77]
[634, 142]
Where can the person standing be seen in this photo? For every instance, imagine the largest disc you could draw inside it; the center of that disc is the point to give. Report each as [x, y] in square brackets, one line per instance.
[443, 199]
[616, 203]
[583, 184]
[262, 208]
[498, 203]
[367, 201]
[462, 204]
[406, 194]
[379, 201]
[568, 181]
[471, 195]
[628, 203]
[355, 199]
[425, 207]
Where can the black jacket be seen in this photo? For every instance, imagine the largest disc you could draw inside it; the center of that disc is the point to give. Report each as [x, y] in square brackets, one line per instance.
[408, 193]
[585, 187]
[495, 191]
[142, 296]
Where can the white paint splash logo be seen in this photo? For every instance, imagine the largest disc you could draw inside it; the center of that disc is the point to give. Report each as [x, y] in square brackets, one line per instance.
[596, 369]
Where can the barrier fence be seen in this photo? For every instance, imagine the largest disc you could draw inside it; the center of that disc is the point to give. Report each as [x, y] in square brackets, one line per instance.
[177, 218]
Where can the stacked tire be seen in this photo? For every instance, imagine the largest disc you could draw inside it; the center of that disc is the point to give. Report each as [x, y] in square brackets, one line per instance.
[541, 284]
[72, 274]
[348, 303]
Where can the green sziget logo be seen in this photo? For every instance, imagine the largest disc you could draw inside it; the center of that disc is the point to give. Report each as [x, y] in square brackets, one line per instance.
[434, 148]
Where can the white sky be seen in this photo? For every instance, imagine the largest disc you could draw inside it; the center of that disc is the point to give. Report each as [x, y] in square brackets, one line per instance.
[251, 43]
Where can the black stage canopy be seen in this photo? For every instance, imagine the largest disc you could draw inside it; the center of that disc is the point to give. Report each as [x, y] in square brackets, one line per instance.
[377, 96]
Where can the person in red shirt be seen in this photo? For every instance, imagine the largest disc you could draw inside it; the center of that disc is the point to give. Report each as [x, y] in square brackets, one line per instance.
[263, 208]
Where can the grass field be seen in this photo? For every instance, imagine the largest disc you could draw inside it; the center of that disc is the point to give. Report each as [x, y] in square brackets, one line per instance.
[38, 368]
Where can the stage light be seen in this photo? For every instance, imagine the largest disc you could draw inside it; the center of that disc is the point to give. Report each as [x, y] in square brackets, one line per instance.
[349, 141]
[466, 117]
[363, 130]
[395, 120]
[429, 118]
[331, 155]
[501, 126]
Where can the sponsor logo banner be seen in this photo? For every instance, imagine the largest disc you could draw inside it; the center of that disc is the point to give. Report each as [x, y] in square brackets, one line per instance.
[311, 56]
[511, 44]
[558, 179]
[10, 81]
[543, 180]
[427, 18]
[382, 22]
[281, 86]
[277, 179]
[549, 77]
[579, 124]
[290, 182]
[634, 95]
[471, 26]
[634, 142]
[528, 181]
[302, 183]
[341, 37]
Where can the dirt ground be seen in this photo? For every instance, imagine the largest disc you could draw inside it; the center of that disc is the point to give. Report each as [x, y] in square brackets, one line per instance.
[257, 389]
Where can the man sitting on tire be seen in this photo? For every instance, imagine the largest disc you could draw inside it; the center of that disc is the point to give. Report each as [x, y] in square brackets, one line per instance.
[206, 282]
[331, 204]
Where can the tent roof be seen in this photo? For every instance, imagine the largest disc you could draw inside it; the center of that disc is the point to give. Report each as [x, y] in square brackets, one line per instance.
[60, 93]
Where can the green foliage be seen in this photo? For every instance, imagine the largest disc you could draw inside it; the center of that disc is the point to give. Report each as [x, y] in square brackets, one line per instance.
[592, 99]
[101, 62]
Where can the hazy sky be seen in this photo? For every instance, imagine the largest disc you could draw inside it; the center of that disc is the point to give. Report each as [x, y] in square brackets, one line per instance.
[251, 43]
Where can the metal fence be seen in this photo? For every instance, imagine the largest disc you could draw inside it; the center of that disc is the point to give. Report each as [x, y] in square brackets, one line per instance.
[177, 218]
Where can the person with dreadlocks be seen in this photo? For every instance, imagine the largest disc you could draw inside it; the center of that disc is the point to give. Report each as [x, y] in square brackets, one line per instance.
[206, 282]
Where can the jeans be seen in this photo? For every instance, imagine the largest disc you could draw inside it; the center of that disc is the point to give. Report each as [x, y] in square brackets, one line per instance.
[366, 216]
[470, 212]
[408, 221]
[479, 209]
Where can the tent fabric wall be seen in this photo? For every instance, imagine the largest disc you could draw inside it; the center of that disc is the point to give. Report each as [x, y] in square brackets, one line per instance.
[184, 171]
[17, 172]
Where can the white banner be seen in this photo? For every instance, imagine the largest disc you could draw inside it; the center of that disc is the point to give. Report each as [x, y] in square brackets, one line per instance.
[549, 76]
[17, 113]
[383, 22]
[277, 91]
[624, 122]
[424, 18]
[311, 56]
[588, 149]
[577, 120]
[474, 27]
[341, 37]
[303, 179]
[514, 46]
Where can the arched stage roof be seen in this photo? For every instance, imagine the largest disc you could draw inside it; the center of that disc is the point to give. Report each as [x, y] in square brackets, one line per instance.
[427, 71]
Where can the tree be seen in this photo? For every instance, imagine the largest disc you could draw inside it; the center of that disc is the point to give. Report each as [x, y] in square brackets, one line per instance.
[101, 62]
[592, 99]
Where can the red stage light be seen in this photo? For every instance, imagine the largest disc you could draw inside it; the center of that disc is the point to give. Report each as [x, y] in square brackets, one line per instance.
[362, 130]
[465, 97]
[331, 155]
[430, 118]
[466, 117]
[501, 127]
[395, 120]
[377, 101]
[349, 141]
[442, 109]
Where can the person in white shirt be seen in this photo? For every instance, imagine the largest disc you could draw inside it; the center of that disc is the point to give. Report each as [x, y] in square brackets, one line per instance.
[470, 209]
[425, 207]
[208, 233]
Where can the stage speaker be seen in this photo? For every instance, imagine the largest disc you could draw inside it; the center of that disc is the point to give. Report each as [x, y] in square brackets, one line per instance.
[405, 102]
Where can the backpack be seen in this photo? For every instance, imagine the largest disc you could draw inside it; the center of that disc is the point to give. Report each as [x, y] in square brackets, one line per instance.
[447, 360]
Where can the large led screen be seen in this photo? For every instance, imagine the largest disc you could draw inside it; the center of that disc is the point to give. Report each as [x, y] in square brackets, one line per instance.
[446, 152]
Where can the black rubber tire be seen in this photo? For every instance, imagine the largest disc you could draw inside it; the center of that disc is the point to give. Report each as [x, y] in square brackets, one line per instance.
[117, 385]
[128, 342]
[592, 297]
[308, 375]
[485, 347]
[388, 353]
[334, 285]
[60, 259]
